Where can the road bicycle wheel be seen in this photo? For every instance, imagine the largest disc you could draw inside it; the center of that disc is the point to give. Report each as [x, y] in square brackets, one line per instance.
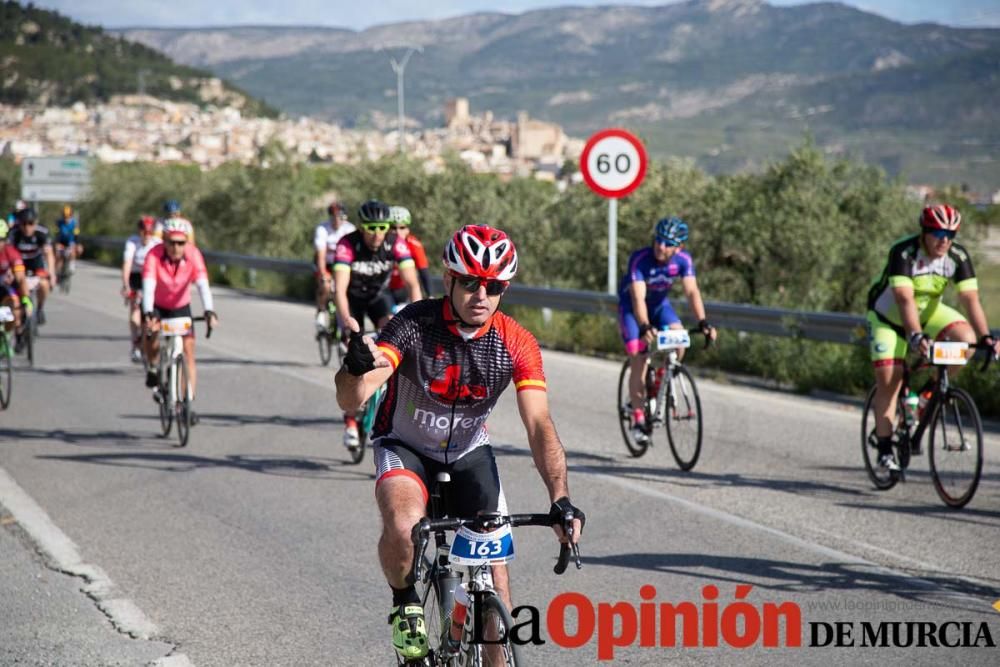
[166, 409]
[182, 406]
[497, 623]
[365, 426]
[624, 407]
[325, 347]
[6, 371]
[883, 479]
[683, 418]
[30, 331]
[437, 622]
[956, 448]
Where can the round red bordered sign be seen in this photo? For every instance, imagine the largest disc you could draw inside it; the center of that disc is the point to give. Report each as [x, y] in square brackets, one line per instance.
[613, 163]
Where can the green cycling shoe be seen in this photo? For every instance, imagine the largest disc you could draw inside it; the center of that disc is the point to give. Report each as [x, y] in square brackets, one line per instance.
[409, 633]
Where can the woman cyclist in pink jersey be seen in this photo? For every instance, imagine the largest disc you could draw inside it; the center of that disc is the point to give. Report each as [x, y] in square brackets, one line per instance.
[167, 275]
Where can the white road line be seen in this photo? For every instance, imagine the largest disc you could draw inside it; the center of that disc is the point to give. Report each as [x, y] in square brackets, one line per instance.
[794, 540]
[124, 614]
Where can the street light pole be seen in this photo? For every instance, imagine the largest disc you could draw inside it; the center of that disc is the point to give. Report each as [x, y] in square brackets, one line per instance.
[399, 68]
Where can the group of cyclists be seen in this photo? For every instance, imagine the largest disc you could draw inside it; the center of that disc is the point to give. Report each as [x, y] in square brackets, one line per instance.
[445, 361]
[27, 257]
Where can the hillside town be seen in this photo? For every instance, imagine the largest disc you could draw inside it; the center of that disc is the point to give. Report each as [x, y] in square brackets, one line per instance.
[143, 128]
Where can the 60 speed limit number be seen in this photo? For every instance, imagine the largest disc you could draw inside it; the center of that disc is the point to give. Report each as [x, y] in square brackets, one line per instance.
[613, 163]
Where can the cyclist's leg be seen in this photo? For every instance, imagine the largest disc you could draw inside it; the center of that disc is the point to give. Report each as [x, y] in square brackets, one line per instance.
[887, 349]
[323, 290]
[192, 369]
[151, 338]
[60, 249]
[43, 287]
[637, 354]
[946, 323]
[134, 316]
[475, 486]
[401, 492]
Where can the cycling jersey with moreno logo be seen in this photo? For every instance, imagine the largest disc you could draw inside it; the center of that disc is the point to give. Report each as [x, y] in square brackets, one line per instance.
[659, 278]
[445, 386]
[909, 265]
[370, 269]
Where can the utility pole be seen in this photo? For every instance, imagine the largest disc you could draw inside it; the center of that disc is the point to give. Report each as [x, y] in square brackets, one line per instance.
[399, 68]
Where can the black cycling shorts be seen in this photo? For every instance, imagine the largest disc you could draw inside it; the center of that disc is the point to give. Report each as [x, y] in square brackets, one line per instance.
[475, 481]
[135, 281]
[375, 309]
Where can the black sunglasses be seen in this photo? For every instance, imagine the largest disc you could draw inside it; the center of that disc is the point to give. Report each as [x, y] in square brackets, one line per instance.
[471, 284]
[942, 233]
[177, 242]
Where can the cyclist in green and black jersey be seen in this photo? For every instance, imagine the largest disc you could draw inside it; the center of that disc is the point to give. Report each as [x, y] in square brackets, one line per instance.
[905, 309]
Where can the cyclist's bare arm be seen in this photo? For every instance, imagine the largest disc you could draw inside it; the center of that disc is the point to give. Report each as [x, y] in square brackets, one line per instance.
[908, 311]
[50, 259]
[341, 279]
[637, 289]
[693, 294]
[546, 449]
[409, 276]
[974, 309]
[321, 263]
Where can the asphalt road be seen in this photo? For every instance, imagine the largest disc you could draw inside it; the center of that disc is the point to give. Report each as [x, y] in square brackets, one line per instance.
[255, 545]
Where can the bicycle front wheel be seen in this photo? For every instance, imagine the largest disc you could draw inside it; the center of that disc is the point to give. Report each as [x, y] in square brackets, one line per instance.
[498, 649]
[956, 448]
[182, 406]
[165, 405]
[882, 478]
[325, 347]
[30, 331]
[624, 407]
[6, 371]
[437, 621]
[683, 418]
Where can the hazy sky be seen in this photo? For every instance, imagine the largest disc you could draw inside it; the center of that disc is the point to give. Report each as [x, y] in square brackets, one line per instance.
[359, 15]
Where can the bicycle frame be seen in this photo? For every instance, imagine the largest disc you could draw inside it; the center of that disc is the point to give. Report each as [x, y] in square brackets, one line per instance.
[169, 358]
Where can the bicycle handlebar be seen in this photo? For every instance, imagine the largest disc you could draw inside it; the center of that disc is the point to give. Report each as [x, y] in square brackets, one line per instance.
[924, 361]
[420, 536]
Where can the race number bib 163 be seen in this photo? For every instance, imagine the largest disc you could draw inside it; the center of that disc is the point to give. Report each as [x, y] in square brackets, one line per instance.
[472, 548]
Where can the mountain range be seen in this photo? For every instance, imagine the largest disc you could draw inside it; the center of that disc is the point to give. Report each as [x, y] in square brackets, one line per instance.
[48, 59]
[730, 83]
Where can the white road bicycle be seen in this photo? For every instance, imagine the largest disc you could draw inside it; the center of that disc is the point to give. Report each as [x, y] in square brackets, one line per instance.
[175, 394]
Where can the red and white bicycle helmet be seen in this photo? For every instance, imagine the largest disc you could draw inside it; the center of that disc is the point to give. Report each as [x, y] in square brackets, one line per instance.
[177, 228]
[941, 216]
[481, 251]
[146, 223]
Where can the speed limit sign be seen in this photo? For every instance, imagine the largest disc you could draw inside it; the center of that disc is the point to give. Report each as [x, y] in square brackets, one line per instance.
[613, 163]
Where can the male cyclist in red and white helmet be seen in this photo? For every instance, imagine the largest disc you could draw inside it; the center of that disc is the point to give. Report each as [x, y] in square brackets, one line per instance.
[325, 239]
[905, 310]
[447, 361]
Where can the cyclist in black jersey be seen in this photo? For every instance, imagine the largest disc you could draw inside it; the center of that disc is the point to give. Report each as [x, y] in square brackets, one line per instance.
[447, 361]
[362, 266]
[32, 241]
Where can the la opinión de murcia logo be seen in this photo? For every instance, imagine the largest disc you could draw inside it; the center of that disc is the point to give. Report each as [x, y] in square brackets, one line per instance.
[711, 623]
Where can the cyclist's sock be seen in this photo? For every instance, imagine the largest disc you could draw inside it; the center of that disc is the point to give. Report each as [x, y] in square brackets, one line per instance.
[350, 422]
[884, 446]
[404, 596]
[638, 417]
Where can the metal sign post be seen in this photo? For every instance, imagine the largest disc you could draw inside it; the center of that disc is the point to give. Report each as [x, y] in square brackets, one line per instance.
[613, 164]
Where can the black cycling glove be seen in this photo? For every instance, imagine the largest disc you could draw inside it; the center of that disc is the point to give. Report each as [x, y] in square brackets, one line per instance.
[359, 359]
[563, 509]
